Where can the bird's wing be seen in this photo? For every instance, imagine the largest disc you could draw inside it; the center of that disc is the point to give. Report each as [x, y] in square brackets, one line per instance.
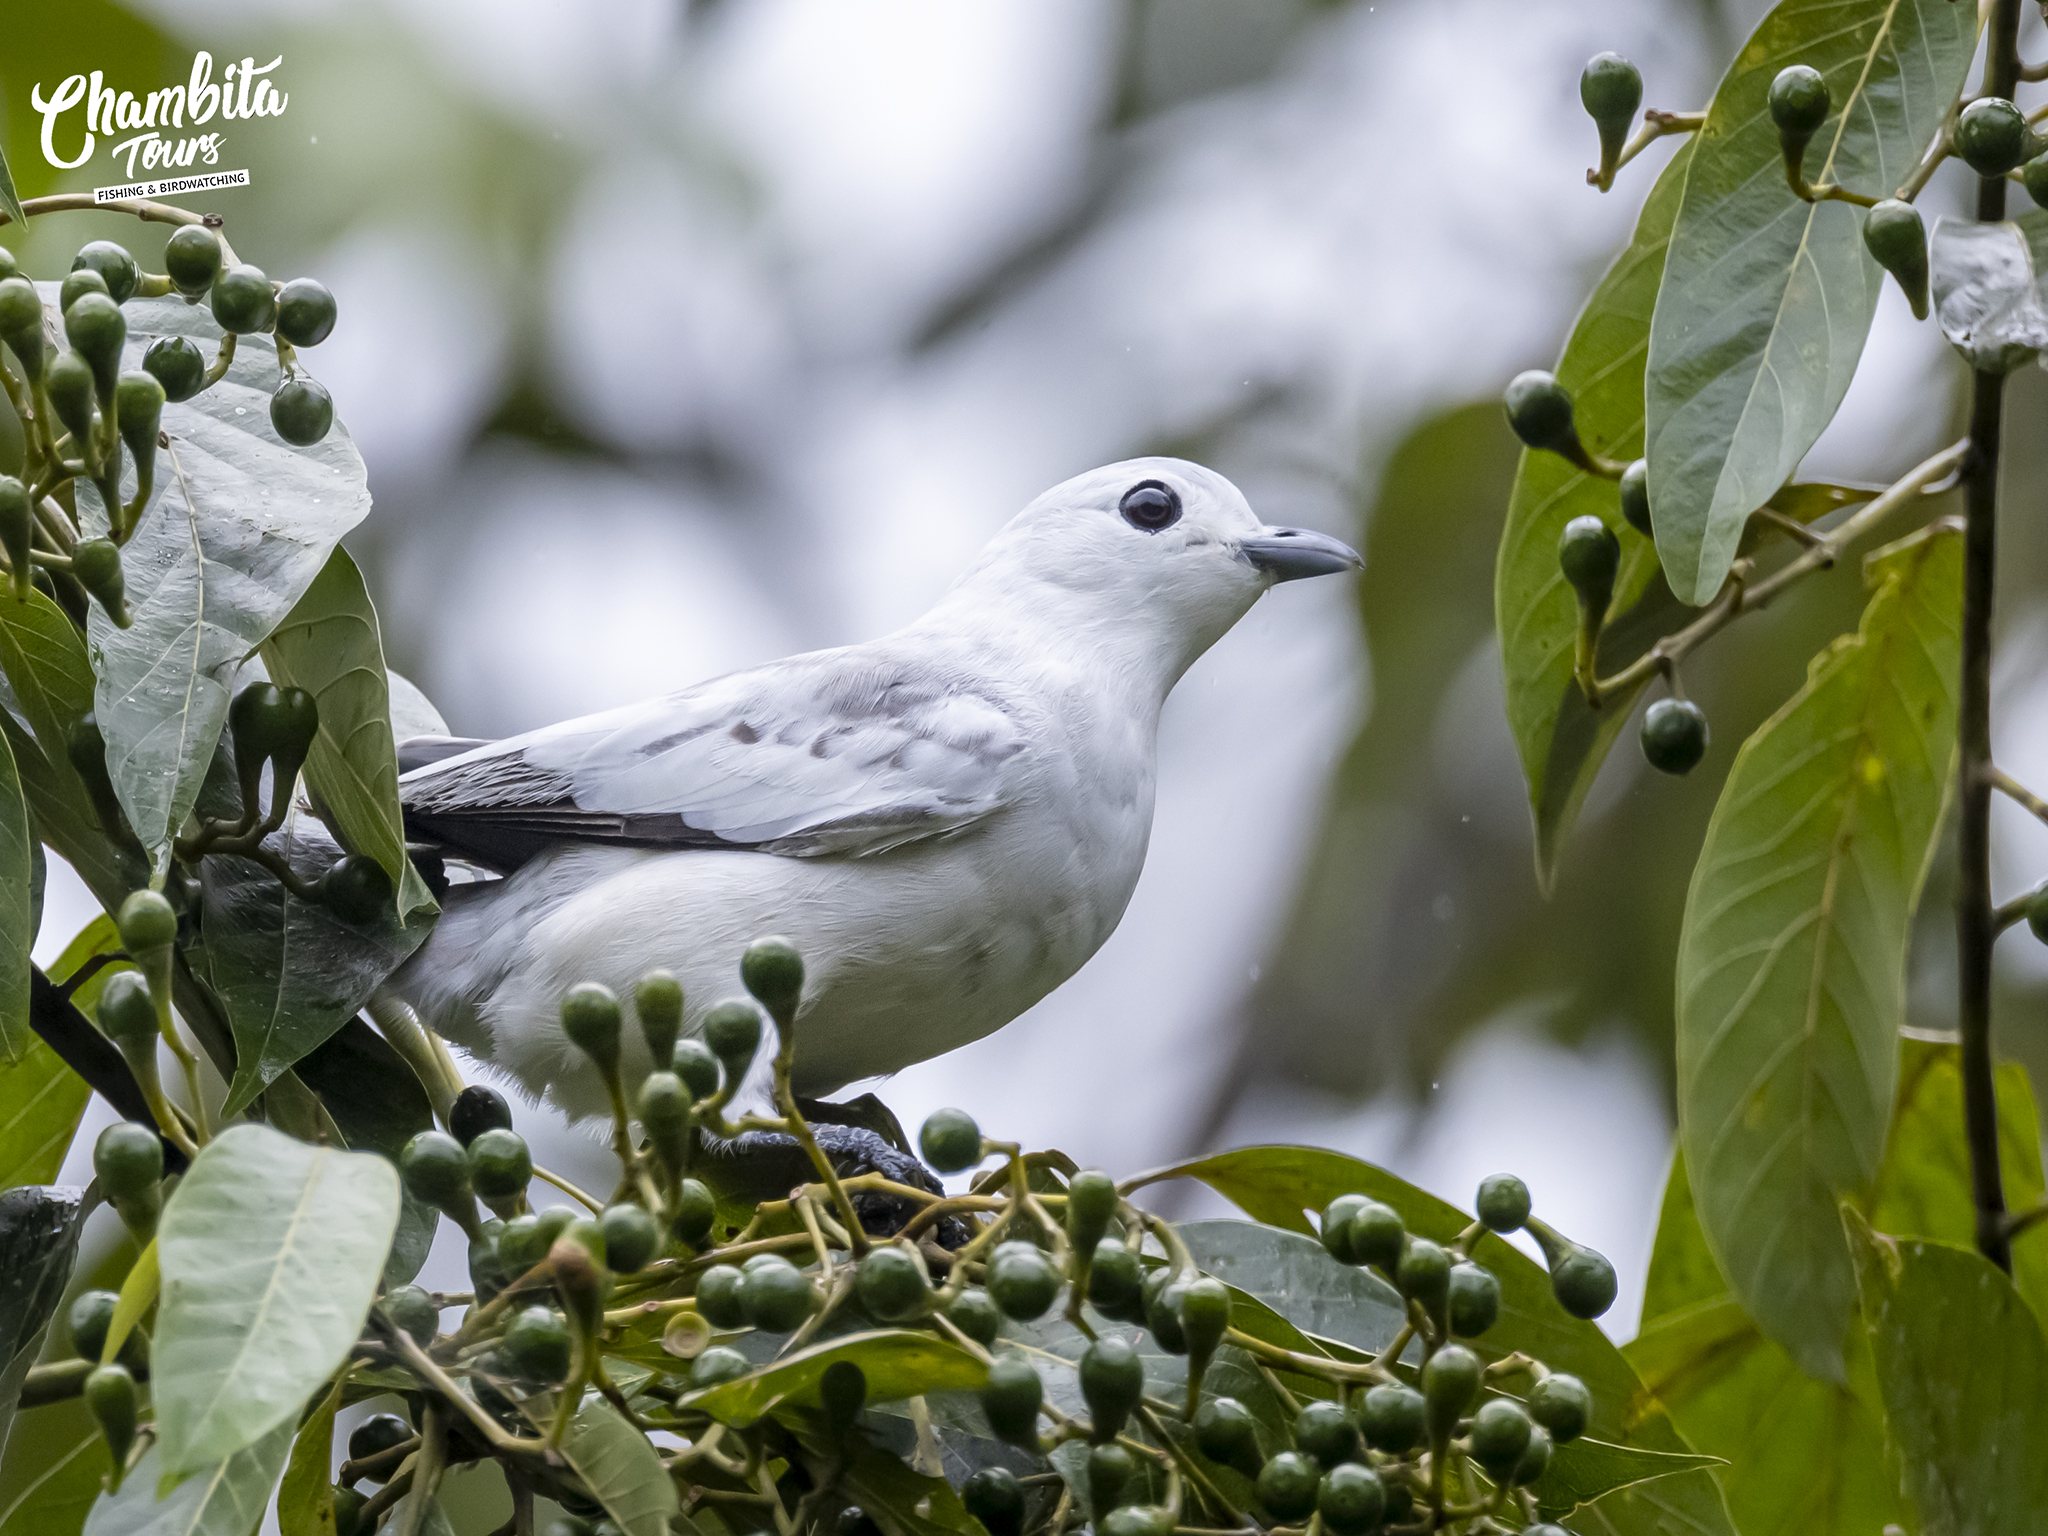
[846, 752]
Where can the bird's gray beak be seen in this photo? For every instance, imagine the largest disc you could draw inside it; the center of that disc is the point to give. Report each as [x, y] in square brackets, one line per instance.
[1287, 554]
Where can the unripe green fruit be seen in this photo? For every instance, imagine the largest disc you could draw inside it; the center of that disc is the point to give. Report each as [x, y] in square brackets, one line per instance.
[696, 1211]
[115, 266]
[1584, 1282]
[1204, 1313]
[1137, 1520]
[1351, 1499]
[70, 383]
[1991, 135]
[1424, 1274]
[125, 1013]
[1474, 1302]
[1112, 1382]
[1394, 1418]
[128, 1158]
[305, 312]
[1335, 1227]
[17, 531]
[1540, 413]
[356, 889]
[1022, 1281]
[1401, 1502]
[1091, 1203]
[500, 1166]
[1590, 555]
[478, 1109]
[773, 972]
[379, 1433]
[538, 1346]
[950, 1140]
[110, 1397]
[717, 1365]
[975, 1315]
[1377, 1236]
[995, 1498]
[718, 1297]
[488, 1271]
[1674, 735]
[693, 1062]
[9, 267]
[435, 1169]
[412, 1310]
[1287, 1485]
[1323, 1430]
[1226, 1433]
[1798, 101]
[1895, 236]
[733, 1031]
[590, 1018]
[1500, 1434]
[1635, 497]
[1536, 1458]
[2037, 914]
[664, 1107]
[192, 259]
[526, 1239]
[631, 1239]
[1503, 1202]
[97, 565]
[1562, 1405]
[1611, 89]
[2033, 176]
[77, 285]
[842, 1393]
[1111, 1469]
[139, 406]
[243, 302]
[348, 1511]
[1116, 1282]
[776, 1297]
[577, 1262]
[1449, 1383]
[92, 1313]
[658, 1005]
[97, 331]
[891, 1284]
[301, 412]
[176, 363]
[1011, 1398]
[1162, 1311]
[21, 325]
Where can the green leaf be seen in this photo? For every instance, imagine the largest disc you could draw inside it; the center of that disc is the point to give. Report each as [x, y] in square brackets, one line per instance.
[1563, 741]
[241, 524]
[38, 1243]
[1791, 965]
[903, 1502]
[1963, 1370]
[897, 1363]
[622, 1471]
[1585, 1469]
[17, 919]
[55, 1463]
[330, 646]
[305, 1500]
[224, 1498]
[44, 658]
[1296, 1277]
[1768, 298]
[10, 200]
[1987, 290]
[271, 1250]
[41, 1102]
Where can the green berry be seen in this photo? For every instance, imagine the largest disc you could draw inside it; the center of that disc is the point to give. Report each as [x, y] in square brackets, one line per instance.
[1540, 413]
[9, 267]
[488, 1271]
[1450, 1381]
[1674, 735]
[1536, 1458]
[192, 259]
[128, 1158]
[733, 1031]
[478, 1109]
[114, 265]
[631, 1239]
[891, 1284]
[177, 364]
[693, 1062]
[1137, 1520]
[1562, 1405]
[17, 531]
[70, 383]
[21, 324]
[1377, 1236]
[842, 1393]
[92, 1313]
[1323, 1430]
[1287, 1486]
[348, 1511]
[97, 331]
[717, 1365]
[538, 1346]
[663, 1104]
[776, 1297]
[243, 302]
[773, 972]
[2033, 176]
[590, 1018]
[1503, 1202]
[1011, 1398]
[147, 923]
[1424, 1274]
[995, 1498]
[435, 1170]
[718, 1297]
[110, 1397]
[1351, 1499]
[1091, 1203]
[1204, 1313]
[1335, 1229]
[77, 285]
[1394, 1418]
[1897, 239]
[1590, 555]
[139, 403]
[1474, 1302]
[379, 1433]
[1500, 1434]
[1991, 135]
[1162, 1311]
[126, 1014]
[975, 1315]
[500, 1166]
[301, 412]
[1635, 497]
[356, 889]
[305, 312]
[658, 1005]
[1798, 101]
[1112, 1382]
[1116, 1281]
[696, 1211]
[97, 565]
[413, 1310]
[526, 1239]
[1611, 89]
[950, 1140]
[1111, 1470]
[1022, 1281]
[1226, 1433]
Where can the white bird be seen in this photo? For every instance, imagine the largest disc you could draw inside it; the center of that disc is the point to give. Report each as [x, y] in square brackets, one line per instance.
[947, 822]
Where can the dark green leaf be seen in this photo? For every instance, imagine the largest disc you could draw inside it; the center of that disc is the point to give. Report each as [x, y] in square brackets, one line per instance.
[622, 1471]
[55, 1462]
[44, 658]
[38, 1244]
[903, 1502]
[1587, 1469]
[17, 921]
[1296, 1277]
[896, 1362]
[305, 1500]
[41, 1101]
[1963, 1371]
[10, 200]
[271, 1250]
[330, 646]
[1768, 298]
[224, 1498]
[1791, 968]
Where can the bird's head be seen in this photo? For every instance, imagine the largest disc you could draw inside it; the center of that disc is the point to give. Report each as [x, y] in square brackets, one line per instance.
[1158, 551]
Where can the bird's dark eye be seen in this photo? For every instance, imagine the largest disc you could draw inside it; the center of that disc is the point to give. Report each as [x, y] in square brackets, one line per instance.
[1151, 506]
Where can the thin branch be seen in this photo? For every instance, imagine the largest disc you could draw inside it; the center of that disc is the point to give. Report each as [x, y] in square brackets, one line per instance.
[1656, 125]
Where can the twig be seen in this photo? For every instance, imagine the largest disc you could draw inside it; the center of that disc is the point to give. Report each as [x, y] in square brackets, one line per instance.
[1656, 125]
[423, 1366]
